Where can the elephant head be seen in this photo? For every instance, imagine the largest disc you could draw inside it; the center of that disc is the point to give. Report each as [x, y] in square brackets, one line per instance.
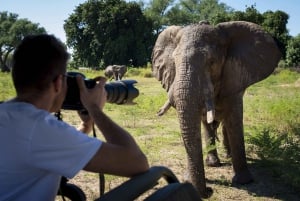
[205, 70]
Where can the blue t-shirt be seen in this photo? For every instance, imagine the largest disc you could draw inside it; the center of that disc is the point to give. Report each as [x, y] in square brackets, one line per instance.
[36, 150]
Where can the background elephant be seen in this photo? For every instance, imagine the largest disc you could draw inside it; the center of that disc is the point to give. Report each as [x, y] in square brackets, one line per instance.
[205, 70]
[115, 71]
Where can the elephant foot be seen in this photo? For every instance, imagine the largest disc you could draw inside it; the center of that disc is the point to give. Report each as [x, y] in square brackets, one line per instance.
[207, 194]
[212, 160]
[242, 178]
[204, 193]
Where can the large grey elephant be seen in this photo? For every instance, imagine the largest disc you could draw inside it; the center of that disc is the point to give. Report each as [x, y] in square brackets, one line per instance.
[115, 71]
[206, 70]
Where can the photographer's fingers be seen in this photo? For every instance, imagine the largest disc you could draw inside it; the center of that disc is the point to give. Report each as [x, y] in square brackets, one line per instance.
[101, 81]
[80, 83]
[95, 96]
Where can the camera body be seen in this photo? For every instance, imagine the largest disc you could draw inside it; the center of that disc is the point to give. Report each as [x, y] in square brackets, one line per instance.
[118, 92]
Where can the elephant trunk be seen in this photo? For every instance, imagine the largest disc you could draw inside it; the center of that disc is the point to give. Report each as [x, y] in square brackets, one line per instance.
[189, 115]
[190, 130]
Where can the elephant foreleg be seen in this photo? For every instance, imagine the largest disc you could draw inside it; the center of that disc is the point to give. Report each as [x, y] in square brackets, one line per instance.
[115, 76]
[210, 133]
[233, 124]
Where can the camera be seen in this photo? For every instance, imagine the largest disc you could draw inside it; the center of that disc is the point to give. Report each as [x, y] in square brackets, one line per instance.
[118, 92]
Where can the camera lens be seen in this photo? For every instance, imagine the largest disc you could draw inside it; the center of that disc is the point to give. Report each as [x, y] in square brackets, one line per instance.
[121, 92]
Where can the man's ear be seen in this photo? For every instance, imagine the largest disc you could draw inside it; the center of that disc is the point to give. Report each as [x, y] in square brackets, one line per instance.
[58, 83]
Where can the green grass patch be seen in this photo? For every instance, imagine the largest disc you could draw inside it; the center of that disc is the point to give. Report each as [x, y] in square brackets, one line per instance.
[6, 87]
[272, 124]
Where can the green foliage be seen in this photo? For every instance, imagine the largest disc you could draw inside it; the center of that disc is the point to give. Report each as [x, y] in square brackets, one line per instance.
[157, 12]
[12, 31]
[251, 14]
[170, 12]
[271, 146]
[104, 32]
[272, 123]
[275, 23]
[293, 52]
[280, 151]
[6, 86]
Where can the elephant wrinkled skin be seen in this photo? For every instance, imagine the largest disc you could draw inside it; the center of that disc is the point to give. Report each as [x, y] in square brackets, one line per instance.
[205, 70]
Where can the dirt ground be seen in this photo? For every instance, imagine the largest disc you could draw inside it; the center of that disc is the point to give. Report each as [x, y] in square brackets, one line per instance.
[266, 186]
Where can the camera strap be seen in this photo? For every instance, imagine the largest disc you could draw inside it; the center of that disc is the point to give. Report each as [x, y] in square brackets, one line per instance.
[101, 175]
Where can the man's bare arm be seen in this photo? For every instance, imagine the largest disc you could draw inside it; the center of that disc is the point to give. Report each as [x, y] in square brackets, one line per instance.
[120, 154]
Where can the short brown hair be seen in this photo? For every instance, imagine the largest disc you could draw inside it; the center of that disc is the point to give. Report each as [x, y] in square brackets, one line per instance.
[37, 61]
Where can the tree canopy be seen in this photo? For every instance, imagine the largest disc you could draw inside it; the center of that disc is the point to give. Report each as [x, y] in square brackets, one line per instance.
[293, 52]
[184, 12]
[12, 31]
[105, 32]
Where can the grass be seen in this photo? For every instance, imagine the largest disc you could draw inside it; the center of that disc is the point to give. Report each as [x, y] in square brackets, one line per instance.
[272, 133]
[6, 86]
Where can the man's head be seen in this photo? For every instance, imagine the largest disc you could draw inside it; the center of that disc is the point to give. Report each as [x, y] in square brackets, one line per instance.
[39, 65]
[37, 61]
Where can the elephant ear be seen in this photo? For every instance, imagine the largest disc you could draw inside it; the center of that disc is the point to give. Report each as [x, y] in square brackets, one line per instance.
[163, 65]
[252, 55]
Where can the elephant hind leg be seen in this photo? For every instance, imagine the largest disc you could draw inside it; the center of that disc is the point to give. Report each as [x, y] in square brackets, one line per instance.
[210, 133]
[226, 143]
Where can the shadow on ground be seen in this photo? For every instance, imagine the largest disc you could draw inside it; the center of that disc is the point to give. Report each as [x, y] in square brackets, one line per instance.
[267, 185]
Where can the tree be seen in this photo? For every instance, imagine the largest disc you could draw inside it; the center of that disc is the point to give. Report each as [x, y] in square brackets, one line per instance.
[251, 14]
[199, 10]
[275, 23]
[293, 52]
[12, 31]
[105, 32]
[170, 12]
[157, 12]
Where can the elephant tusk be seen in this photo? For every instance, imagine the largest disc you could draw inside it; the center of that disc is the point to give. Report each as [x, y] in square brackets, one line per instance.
[210, 116]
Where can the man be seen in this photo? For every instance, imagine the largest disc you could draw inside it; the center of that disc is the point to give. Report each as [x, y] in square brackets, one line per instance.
[36, 149]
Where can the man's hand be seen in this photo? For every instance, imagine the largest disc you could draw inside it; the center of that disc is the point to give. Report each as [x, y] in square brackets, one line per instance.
[95, 97]
[90, 98]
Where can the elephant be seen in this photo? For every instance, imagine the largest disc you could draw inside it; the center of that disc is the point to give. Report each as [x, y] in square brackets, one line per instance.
[115, 71]
[205, 70]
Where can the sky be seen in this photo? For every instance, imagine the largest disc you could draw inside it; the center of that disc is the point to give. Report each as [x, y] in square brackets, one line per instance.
[51, 14]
